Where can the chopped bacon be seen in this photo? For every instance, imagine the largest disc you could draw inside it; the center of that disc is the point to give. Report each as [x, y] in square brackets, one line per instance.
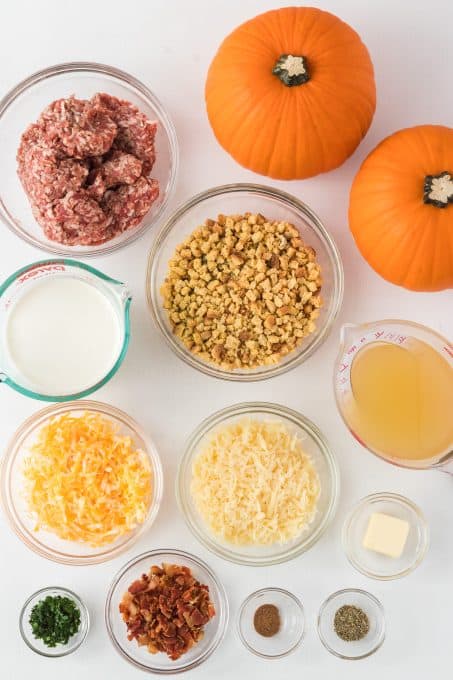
[138, 586]
[166, 610]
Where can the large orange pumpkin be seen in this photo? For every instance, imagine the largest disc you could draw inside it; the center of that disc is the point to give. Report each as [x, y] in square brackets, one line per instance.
[291, 93]
[401, 208]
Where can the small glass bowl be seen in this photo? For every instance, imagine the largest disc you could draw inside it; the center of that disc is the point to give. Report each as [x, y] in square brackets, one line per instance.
[292, 623]
[352, 649]
[234, 199]
[376, 565]
[37, 645]
[315, 446]
[160, 663]
[45, 543]
[23, 105]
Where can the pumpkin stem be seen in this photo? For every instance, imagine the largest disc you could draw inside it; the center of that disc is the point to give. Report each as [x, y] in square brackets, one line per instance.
[438, 189]
[291, 70]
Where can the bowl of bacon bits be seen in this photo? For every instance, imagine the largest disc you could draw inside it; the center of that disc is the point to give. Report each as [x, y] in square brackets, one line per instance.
[166, 611]
[89, 159]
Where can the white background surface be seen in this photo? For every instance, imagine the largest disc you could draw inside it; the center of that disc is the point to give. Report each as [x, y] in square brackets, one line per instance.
[168, 45]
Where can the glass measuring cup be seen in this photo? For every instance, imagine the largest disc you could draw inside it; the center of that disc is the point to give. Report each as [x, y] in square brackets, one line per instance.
[353, 339]
[23, 281]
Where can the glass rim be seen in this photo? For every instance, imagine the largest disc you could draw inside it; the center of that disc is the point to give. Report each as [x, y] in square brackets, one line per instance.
[249, 408]
[84, 616]
[250, 598]
[396, 498]
[126, 331]
[152, 292]
[14, 446]
[103, 70]
[379, 608]
[223, 600]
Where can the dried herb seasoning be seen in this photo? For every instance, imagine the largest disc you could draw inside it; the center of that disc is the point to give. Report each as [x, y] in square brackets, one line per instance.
[351, 623]
[266, 620]
[54, 620]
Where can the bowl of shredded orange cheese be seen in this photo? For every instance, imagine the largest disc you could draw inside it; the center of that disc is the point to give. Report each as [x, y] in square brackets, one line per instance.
[80, 482]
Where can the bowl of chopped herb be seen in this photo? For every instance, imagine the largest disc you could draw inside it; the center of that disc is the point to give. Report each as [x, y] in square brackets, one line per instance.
[54, 622]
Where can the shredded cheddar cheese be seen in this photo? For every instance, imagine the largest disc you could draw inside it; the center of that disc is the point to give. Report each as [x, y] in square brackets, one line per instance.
[84, 482]
[252, 483]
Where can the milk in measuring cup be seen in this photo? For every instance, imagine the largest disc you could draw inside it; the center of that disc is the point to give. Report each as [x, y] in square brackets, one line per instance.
[62, 336]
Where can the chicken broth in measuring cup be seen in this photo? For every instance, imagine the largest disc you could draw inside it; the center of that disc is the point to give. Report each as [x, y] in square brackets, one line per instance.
[402, 399]
[395, 392]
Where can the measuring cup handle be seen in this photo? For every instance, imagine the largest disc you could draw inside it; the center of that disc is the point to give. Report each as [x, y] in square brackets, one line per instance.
[446, 465]
[448, 468]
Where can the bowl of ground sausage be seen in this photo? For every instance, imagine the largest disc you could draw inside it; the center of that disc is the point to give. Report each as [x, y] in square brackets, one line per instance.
[89, 159]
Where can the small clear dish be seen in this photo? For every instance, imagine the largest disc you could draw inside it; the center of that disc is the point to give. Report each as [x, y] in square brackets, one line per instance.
[292, 623]
[273, 204]
[22, 106]
[160, 663]
[38, 645]
[45, 543]
[315, 446]
[352, 649]
[374, 564]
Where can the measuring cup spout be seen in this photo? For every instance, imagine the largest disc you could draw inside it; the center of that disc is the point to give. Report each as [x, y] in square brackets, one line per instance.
[121, 291]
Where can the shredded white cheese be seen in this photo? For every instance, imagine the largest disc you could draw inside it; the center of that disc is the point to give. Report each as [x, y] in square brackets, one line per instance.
[252, 483]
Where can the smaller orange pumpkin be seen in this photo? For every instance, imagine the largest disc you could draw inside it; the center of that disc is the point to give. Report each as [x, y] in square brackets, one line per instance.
[291, 93]
[401, 208]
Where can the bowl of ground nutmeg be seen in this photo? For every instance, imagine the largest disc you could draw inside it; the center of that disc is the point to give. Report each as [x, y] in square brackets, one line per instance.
[271, 623]
[244, 282]
[351, 624]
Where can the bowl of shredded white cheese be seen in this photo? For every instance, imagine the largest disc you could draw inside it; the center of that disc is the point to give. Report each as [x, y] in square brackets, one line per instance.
[258, 483]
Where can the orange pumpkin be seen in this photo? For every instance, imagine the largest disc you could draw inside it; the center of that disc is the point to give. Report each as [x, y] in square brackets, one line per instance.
[401, 208]
[291, 93]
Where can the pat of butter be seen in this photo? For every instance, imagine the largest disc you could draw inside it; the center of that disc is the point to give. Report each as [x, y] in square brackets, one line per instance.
[386, 534]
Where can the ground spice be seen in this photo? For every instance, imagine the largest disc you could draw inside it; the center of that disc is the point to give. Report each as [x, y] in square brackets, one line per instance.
[351, 623]
[267, 620]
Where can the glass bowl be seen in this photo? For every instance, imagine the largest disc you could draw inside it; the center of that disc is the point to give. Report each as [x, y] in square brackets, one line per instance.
[160, 663]
[28, 278]
[376, 565]
[23, 105]
[274, 204]
[292, 623]
[37, 645]
[352, 649]
[314, 445]
[45, 543]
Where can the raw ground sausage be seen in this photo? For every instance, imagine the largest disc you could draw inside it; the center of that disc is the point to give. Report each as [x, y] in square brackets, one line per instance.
[85, 167]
